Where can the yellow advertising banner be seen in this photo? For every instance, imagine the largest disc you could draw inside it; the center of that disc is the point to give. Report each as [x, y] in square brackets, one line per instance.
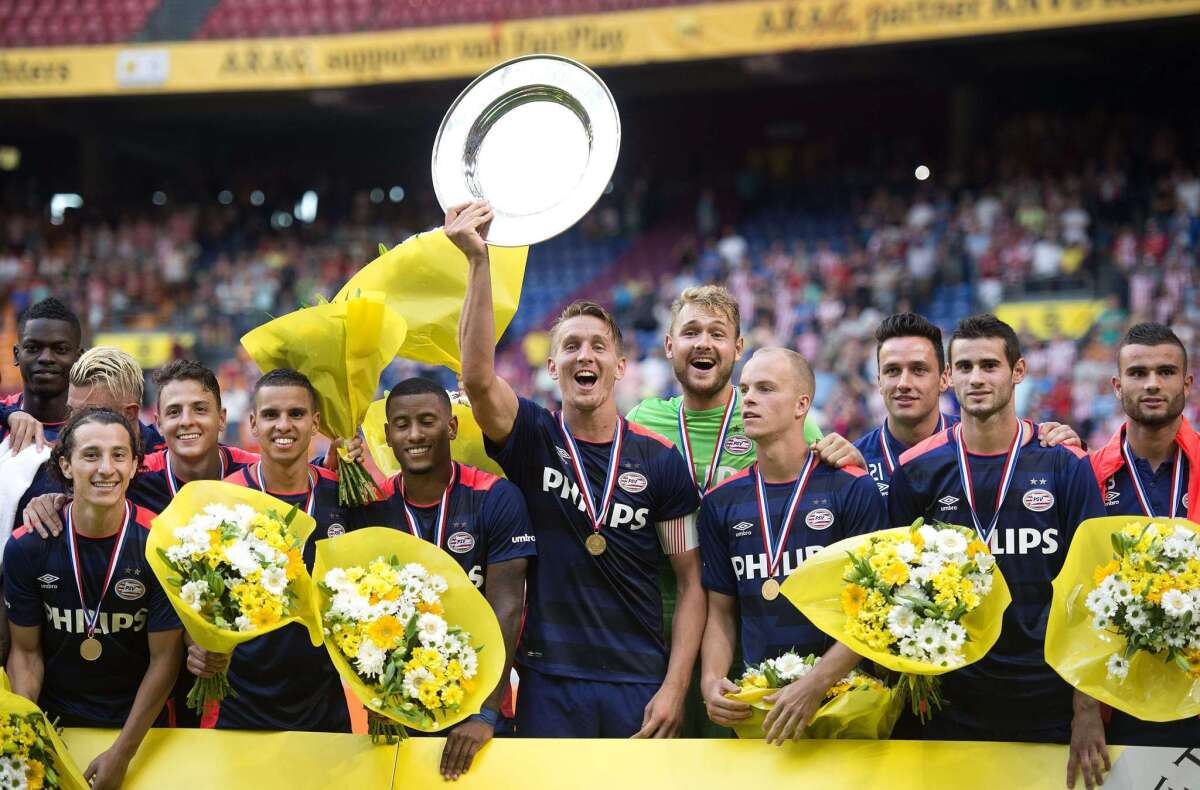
[1049, 319]
[203, 759]
[674, 33]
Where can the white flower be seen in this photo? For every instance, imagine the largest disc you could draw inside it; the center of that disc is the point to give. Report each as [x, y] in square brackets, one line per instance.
[901, 621]
[1100, 604]
[956, 636]
[336, 580]
[274, 581]
[370, 658]
[431, 630]
[929, 534]
[906, 551]
[414, 679]
[242, 623]
[985, 561]
[12, 773]
[790, 666]
[193, 593]
[930, 636]
[241, 558]
[951, 541]
[1176, 603]
[438, 584]
[470, 663]
[1117, 666]
[1137, 618]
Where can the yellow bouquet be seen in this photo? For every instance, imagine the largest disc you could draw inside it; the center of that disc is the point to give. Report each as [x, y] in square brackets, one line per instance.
[343, 347]
[406, 629]
[859, 706]
[31, 753]
[1125, 619]
[466, 447]
[231, 562]
[425, 281]
[920, 600]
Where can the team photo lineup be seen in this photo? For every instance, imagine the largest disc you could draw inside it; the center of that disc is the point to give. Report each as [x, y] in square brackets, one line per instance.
[752, 435]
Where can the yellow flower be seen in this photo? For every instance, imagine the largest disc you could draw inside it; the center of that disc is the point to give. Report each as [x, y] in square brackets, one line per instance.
[1104, 571]
[976, 546]
[452, 696]
[295, 563]
[431, 608]
[853, 597]
[428, 695]
[915, 538]
[35, 774]
[385, 632]
[896, 573]
[262, 618]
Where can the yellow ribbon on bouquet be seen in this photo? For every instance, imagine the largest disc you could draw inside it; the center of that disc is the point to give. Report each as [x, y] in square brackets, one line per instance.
[424, 280]
[466, 448]
[1154, 689]
[815, 588]
[191, 500]
[464, 606]
[863, 714]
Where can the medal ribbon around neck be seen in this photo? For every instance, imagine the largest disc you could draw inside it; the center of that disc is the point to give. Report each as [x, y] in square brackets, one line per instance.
[173, 484]
[596, 516]
[1006, 478]
[1143, 497]
[775, 553]
[439, 529]
[686, 444]
[888, 459]
[309, 504]
[92, 616]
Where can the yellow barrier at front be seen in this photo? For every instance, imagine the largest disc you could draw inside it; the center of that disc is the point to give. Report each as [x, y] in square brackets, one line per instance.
[202, 759]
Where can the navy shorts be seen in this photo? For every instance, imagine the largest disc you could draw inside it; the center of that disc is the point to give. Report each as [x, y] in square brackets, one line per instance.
[1123, 729]
[551, 706]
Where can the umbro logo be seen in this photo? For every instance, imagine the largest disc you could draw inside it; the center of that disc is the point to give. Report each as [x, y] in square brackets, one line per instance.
[949, 503]
[883, 488]
[563, 454]
[742, 529]
[48, 581]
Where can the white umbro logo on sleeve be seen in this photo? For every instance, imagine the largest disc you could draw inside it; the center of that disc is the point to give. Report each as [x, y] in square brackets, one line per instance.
[949, 503]
[742, 529]
[48, 581]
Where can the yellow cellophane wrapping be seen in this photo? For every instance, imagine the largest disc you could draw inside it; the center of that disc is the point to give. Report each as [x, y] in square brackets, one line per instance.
[466, 447]
[425, 281]
[1154, 689]
[815, 588]
[464, 605]
[343, 348]
[69, 775]
[863, 714]
[192, 499]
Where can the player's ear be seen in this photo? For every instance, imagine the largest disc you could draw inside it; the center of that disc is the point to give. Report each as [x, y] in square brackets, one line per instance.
[453, 425]
[222, 420]
[1018, 373]
[551, 368]
[316, 423]
[739, 346]
[668, 350]
[620, 368]
[64, 465]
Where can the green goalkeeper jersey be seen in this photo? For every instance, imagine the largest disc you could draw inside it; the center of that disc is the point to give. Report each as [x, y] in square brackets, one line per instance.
[703, 427]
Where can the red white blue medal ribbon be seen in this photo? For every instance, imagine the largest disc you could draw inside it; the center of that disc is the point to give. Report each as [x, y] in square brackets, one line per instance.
[595, 514]
[310, 503]
[173, 485]
[889, 460]
[439, 525]
[686, 444]
[775, 552]
[1006, 478]
[92, 616]
[1143, 497]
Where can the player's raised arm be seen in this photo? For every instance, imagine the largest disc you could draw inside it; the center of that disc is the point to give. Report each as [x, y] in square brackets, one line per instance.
[492, 400]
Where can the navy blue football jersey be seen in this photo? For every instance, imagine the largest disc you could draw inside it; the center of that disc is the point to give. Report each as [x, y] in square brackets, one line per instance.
[597, 617]
[15, 403]
[40, 591]
[1052, 492]
[154, 486]
[282, 681]
[1160, 486]
[881, 451]
[835, 504]
[486, 521]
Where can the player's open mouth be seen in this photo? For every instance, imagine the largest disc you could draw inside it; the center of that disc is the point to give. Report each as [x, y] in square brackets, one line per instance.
[104, 486]
[586, 379]
[418, 452]
[703, 364]
[187, 437]
[283, 441]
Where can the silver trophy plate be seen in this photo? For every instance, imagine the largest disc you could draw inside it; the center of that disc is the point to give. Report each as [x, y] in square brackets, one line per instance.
[537, 137]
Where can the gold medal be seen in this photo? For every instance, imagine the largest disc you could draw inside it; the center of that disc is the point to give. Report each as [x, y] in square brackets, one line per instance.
[90, 649]
[770, 589]
[596, 544]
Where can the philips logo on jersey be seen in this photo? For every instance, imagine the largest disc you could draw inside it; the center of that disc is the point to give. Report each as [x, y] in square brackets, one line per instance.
[72, 621]
[948, 503]
[742, 529]
[1023, 540]
[619, 515]
[749, 567]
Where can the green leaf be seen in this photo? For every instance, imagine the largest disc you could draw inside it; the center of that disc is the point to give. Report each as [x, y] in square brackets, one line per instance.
[1117, 544]
[382, 248]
